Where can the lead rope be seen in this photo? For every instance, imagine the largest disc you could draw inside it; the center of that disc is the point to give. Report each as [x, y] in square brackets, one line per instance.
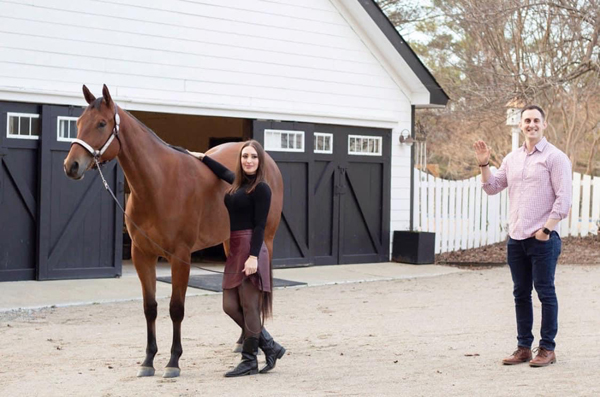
[261, 302]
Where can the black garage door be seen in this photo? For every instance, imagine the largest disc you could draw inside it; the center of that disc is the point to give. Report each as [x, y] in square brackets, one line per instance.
[336, 192]
[18, 190]
[53, 227]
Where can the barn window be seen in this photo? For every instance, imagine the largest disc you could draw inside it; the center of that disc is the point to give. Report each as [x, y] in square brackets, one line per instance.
[363, 145]
[323, 143]
[67, 129]
[284, 141]
[23, 126]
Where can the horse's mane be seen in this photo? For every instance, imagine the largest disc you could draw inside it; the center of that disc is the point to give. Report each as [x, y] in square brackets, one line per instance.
[98, 102]
[148, 129]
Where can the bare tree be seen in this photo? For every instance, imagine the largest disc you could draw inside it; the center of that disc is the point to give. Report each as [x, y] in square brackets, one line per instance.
[486, 53]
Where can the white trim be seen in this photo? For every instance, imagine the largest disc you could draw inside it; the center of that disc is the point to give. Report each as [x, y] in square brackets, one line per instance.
[21, 115]
[368, 137]
[58, 120]
[287, 132]
[199, 109]
[326, 135]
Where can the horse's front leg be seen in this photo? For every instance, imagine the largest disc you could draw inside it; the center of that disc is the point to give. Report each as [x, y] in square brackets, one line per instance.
[180, 275]
[145, 265]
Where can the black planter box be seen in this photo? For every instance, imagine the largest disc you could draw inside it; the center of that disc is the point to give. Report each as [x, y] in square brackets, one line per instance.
[413, 247]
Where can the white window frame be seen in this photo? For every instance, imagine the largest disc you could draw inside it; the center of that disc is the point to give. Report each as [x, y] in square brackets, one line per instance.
[58, 120]
[324, 134]
[279, 149]
[19, 115]
[368, 137]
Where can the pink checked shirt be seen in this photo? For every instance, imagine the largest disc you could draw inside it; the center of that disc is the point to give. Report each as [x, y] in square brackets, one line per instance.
[539, 187]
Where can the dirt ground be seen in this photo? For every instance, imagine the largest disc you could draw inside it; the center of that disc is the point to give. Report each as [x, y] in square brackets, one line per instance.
[575, 251]
[437, 336]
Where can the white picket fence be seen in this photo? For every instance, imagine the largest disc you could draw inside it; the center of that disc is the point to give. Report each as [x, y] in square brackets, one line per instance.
[463, 216]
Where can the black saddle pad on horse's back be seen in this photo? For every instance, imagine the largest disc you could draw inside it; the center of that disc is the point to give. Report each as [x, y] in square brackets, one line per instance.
[212, 282]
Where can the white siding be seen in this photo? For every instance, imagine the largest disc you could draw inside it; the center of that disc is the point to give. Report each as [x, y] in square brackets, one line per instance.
[286, 58]
[400, 183]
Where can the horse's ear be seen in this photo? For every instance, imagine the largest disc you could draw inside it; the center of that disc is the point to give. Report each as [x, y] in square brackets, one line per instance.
[106, 96]
[89, 97]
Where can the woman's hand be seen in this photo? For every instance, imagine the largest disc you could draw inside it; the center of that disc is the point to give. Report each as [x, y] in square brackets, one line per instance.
[251, 265]
[198, 155]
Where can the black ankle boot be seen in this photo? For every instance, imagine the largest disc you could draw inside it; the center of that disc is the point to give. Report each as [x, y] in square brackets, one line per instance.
[249, 363]
[272, 350]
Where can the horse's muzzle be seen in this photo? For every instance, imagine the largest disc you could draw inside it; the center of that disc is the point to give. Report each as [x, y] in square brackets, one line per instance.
[74, 169]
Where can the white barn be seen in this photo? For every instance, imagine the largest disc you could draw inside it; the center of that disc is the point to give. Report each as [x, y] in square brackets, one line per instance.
[327, 86]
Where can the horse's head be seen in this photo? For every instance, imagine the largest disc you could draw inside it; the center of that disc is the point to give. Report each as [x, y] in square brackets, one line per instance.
[95, 129]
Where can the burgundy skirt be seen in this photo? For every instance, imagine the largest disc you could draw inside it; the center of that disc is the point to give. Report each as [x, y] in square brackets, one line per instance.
[239, 251]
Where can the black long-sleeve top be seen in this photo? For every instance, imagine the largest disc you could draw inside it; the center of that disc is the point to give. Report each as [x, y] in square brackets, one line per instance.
[246, 210]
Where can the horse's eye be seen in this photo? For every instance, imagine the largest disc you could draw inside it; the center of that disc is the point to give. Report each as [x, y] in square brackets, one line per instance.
[102, 124]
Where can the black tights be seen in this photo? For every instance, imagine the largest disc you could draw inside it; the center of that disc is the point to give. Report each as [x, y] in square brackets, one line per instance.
[242, 304]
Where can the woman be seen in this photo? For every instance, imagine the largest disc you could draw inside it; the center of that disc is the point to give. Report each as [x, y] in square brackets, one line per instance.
[247, 277]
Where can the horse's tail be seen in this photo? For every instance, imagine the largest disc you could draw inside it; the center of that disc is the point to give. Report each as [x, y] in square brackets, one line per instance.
[267, 297]
[267, 306]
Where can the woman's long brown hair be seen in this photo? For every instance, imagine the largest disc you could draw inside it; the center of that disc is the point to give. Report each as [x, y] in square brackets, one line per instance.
[240, 175]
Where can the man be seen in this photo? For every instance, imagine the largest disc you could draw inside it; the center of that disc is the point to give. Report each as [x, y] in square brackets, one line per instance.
[538, 177]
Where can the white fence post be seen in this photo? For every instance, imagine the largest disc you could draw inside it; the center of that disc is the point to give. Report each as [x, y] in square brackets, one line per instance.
[472, 206]
[478, 205]
[444, 202]
[451, 216]
[430, 202]
[585, 205]
[438, 215]
[596, 205]
[459, 216]
[465, 214]
[575, 205]
[424, 199]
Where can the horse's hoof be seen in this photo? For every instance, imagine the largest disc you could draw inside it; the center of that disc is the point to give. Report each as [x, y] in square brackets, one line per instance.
[171, 372]
[145, 371]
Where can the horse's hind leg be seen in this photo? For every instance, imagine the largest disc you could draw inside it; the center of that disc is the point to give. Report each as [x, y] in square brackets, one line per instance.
[180, 274]
[145, 265]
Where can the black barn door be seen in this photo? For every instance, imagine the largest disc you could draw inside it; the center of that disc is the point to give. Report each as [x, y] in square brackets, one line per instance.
[19, 142]
[364, 190]
[80, 226]
[336, 204]
[350, 220]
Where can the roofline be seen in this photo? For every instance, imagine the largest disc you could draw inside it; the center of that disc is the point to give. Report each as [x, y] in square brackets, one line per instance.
[437, 94]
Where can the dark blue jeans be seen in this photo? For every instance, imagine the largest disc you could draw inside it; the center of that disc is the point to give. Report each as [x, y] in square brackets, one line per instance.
[533, 264]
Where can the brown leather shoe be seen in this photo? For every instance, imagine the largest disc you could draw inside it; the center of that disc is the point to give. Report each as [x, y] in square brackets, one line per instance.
[520, 356]
[543, 358]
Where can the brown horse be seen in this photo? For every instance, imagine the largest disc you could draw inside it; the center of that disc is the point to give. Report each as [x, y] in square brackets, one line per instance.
[175, 199]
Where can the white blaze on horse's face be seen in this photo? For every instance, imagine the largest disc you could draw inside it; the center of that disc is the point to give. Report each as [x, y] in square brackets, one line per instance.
[249, 160]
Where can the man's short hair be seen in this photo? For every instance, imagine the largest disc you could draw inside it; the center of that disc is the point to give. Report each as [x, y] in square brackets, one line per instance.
[534, 107]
